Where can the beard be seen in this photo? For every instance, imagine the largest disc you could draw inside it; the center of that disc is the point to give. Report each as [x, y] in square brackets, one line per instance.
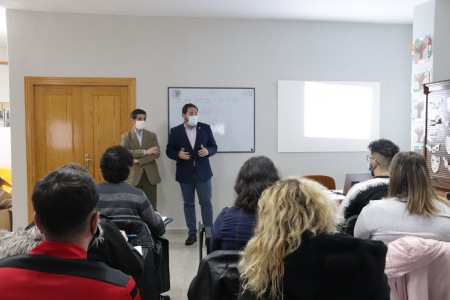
[371, 170]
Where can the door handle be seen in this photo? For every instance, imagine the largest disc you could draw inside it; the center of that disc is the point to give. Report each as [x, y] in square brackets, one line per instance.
[86, 161]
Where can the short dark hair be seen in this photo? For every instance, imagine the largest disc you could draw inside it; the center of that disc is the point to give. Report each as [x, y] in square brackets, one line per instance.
[115, 164]
[386, 148]
[255, 175]
[63, 201]
[75, 166]
[186, 107]
[136, 112]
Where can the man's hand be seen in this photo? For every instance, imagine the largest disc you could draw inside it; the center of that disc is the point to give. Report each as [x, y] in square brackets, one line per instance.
[184, 155]
[135, 161]
[203, 151]
[152, 150]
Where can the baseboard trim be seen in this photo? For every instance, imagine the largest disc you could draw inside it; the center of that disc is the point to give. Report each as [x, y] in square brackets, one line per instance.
[176, 231]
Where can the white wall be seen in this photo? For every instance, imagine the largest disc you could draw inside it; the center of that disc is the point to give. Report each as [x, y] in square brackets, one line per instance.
[192, 52]
[4, 76]
[5, 132]
[423, 25]
[441, 45]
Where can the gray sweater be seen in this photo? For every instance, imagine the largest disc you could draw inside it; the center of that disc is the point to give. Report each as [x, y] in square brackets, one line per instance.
[388, 220]
[122, 199]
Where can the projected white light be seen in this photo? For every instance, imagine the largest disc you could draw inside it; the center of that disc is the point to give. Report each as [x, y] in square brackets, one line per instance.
[327, 116]
[337, 111]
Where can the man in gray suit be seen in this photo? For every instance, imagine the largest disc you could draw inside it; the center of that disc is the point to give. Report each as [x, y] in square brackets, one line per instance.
[143, 144]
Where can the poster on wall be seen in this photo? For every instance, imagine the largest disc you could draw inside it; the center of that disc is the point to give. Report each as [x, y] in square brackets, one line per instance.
[418, 108]
[421, 49]
[418, 124]
[418, 79]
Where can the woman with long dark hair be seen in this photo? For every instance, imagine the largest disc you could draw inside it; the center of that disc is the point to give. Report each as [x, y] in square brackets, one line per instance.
[234, 225]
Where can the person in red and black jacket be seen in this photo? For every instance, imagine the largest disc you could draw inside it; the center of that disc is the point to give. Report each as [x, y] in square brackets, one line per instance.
[64, 202]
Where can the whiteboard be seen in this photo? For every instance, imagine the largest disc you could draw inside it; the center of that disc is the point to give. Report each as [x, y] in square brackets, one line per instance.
[229, 111]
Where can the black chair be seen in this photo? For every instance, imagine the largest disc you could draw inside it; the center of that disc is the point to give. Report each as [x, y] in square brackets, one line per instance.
[155, 250]
[204, 234]
[349, 225]
[217, 277]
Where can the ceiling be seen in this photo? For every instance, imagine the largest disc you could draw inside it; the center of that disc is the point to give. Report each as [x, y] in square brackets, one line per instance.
[366, 11]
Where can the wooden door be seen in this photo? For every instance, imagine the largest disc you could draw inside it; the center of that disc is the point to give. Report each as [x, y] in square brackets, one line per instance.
[73, 120]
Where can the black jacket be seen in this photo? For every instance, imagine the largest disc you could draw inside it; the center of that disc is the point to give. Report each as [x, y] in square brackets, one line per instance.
[338, 267]
[217, 277]
[114, 250]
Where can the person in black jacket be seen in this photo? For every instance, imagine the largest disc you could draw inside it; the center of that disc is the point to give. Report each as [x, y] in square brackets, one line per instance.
[382, 152]
[296, 252]
[115, 251]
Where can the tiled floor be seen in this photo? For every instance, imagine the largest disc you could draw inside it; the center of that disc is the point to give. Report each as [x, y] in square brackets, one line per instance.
[183, 262]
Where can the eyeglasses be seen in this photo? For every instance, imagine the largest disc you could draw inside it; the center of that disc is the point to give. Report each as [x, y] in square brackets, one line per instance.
[369, 158]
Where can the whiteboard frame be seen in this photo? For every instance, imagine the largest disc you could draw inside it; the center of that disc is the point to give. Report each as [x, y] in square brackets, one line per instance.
[237, 123]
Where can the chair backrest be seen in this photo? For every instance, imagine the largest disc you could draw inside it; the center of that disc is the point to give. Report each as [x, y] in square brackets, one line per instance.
[217, 277]
[325, 180]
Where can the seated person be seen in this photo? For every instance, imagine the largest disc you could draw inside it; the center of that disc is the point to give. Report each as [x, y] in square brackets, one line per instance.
[64, 202]
[381, 153]
[118, 198]
[234, 225]
[296, 253]
[412, 207]
[19, 241]
[113, 249]
[111, 246]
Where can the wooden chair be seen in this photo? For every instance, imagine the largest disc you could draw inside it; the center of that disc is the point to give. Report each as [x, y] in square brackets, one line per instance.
[325, 180]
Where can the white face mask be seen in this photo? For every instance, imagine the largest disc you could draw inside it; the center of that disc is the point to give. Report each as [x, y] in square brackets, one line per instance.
[192, 120]
[140, 125]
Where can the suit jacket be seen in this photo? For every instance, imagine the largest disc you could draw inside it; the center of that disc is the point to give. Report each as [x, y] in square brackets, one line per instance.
[146, 162]
[178, 139]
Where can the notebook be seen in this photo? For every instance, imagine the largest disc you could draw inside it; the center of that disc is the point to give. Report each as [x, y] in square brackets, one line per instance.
[353, 178]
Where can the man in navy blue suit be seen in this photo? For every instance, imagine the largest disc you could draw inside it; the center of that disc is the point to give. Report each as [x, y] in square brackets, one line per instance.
[191, 144]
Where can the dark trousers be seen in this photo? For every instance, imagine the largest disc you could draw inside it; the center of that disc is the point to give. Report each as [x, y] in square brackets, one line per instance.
[204, 194]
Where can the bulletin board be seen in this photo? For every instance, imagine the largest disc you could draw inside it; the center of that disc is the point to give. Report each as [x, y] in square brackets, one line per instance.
[229, 111]
[437, 132]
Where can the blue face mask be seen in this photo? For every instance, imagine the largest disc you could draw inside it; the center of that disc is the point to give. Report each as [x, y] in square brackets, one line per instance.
[192, 120]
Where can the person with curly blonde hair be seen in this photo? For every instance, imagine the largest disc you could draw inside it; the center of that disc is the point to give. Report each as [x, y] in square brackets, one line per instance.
[297, 253]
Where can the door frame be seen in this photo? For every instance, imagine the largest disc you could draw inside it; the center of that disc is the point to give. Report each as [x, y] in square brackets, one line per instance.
[30, 83]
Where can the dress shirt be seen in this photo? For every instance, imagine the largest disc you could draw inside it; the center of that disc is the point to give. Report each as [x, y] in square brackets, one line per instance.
[191, 134]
